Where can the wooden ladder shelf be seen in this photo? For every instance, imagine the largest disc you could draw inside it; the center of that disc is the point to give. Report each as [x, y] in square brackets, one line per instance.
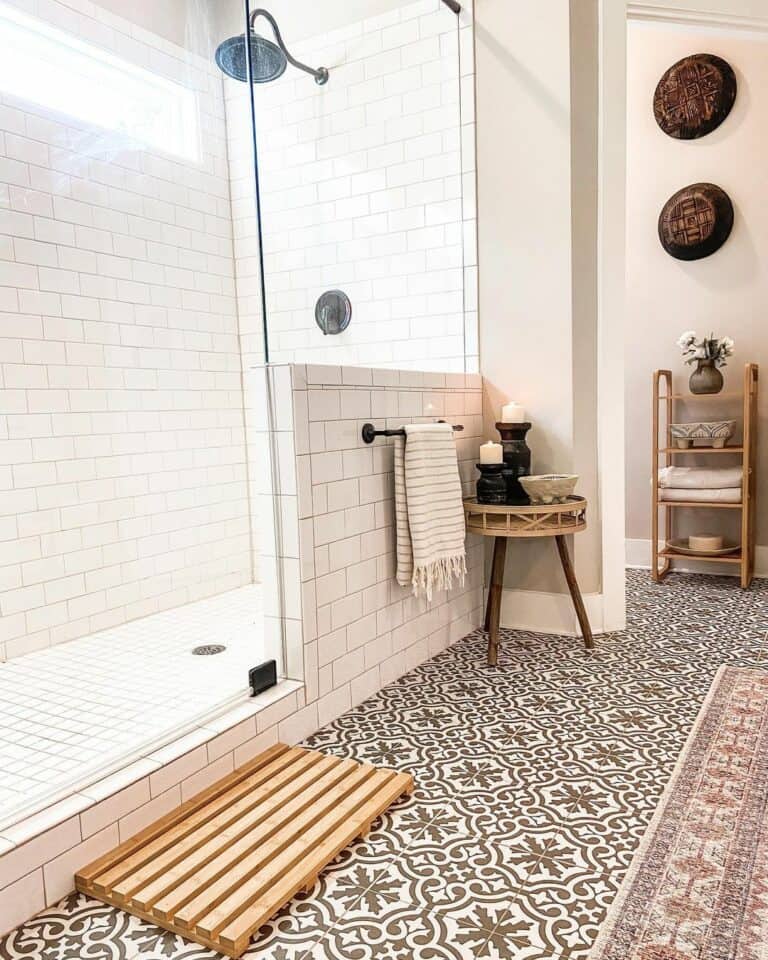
[218, 867]
[663, 451]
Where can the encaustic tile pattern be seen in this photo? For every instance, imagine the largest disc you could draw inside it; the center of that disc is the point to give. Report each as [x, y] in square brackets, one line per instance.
[534, 784]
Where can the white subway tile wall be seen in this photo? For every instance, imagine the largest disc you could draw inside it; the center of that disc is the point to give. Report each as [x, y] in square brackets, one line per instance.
[360, 627]
[122, 444]
[354, 630]
[367, 185]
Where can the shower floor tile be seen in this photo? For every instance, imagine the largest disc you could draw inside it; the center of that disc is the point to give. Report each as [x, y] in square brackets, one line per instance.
[533, 790]
[71, 713]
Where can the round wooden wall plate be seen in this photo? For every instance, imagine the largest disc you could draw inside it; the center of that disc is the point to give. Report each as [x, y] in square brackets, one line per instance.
[694, 96]
[696, 221]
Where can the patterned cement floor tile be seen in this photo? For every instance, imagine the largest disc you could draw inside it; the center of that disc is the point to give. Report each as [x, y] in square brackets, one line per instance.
[508, 815]
[454, 873]
[80, 928]
[600, 845]
[558, 913]
[379, 928]
[500, 947]
[533, 789]
[391, 835]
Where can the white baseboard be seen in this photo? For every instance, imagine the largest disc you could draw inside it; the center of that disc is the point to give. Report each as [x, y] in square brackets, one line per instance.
[638, 554]
[548, 612]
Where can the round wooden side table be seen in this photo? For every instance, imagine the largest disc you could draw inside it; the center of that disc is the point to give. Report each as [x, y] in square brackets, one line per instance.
[505, 522]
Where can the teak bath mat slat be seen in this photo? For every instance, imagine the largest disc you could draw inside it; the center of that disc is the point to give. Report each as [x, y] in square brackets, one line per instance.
[220, 865]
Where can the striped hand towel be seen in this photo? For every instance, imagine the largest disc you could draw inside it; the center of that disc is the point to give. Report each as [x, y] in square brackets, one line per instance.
[429, 515]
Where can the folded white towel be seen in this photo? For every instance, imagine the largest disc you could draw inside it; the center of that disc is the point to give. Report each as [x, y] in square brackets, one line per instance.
[429, 515]
[700, 478]
[692, 495]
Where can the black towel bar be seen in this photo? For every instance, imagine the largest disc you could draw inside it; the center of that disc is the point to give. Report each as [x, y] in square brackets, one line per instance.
[370, 432]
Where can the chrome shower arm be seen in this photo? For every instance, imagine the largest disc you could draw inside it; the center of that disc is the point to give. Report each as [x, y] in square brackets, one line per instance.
[320, 75]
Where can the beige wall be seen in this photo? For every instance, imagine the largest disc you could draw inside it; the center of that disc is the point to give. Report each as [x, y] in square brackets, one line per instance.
[584, 265]
[725, 293]
[537, 160]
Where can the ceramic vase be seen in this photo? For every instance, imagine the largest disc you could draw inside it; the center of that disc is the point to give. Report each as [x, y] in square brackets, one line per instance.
[706, 378]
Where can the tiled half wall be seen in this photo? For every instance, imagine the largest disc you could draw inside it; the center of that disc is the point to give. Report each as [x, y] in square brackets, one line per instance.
[350, 628]
[359, 626]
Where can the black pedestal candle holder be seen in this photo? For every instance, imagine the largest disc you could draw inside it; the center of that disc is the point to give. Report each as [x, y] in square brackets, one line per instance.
[491, 487]
[517, 459]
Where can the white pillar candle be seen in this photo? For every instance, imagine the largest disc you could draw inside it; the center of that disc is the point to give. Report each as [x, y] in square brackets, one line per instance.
[512, 413]
[491, 452]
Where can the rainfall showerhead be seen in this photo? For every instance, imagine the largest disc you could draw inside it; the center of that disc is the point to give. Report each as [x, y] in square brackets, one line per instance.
[268, 60]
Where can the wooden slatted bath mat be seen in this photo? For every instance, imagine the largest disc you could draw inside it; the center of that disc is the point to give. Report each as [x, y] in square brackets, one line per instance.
[218, 867]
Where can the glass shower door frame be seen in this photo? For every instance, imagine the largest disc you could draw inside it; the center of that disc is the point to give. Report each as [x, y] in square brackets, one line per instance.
[290, 666]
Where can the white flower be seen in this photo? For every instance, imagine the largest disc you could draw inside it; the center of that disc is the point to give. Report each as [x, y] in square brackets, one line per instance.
[686, 339]
[727, 345]
[700, 353]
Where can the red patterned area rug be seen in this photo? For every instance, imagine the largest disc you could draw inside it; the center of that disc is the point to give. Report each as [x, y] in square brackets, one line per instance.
[698, 884]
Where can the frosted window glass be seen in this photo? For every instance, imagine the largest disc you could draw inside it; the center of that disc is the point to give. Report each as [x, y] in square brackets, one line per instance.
[56, 70]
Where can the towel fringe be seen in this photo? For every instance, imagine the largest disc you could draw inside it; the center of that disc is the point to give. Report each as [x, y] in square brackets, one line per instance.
[439, 574]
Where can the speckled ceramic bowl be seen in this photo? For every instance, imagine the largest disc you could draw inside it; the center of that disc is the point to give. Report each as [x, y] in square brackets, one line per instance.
[713, 433]
[549, 487]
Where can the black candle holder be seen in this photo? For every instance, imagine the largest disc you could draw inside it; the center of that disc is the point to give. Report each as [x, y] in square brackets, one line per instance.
[491, 487]
[517, 459]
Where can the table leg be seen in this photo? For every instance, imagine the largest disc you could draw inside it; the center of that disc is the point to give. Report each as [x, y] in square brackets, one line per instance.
[573, 586]
[493, 610]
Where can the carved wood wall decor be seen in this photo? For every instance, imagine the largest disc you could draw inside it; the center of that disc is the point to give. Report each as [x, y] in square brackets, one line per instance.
[694, 96]
[696, 221]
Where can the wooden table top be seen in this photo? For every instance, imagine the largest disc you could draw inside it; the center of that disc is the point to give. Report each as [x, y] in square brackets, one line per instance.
[526, 520]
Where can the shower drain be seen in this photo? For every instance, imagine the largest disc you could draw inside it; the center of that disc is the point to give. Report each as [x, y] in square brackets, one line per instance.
[208, 649]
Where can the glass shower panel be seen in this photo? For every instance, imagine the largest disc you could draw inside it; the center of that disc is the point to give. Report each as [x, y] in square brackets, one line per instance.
[362, 193]
[131, 605]
[271, 470]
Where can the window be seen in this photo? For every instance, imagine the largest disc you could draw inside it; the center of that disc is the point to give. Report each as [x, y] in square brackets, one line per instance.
[47, 66]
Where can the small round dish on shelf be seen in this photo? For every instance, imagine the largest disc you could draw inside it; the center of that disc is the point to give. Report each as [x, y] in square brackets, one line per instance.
[680, 545]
